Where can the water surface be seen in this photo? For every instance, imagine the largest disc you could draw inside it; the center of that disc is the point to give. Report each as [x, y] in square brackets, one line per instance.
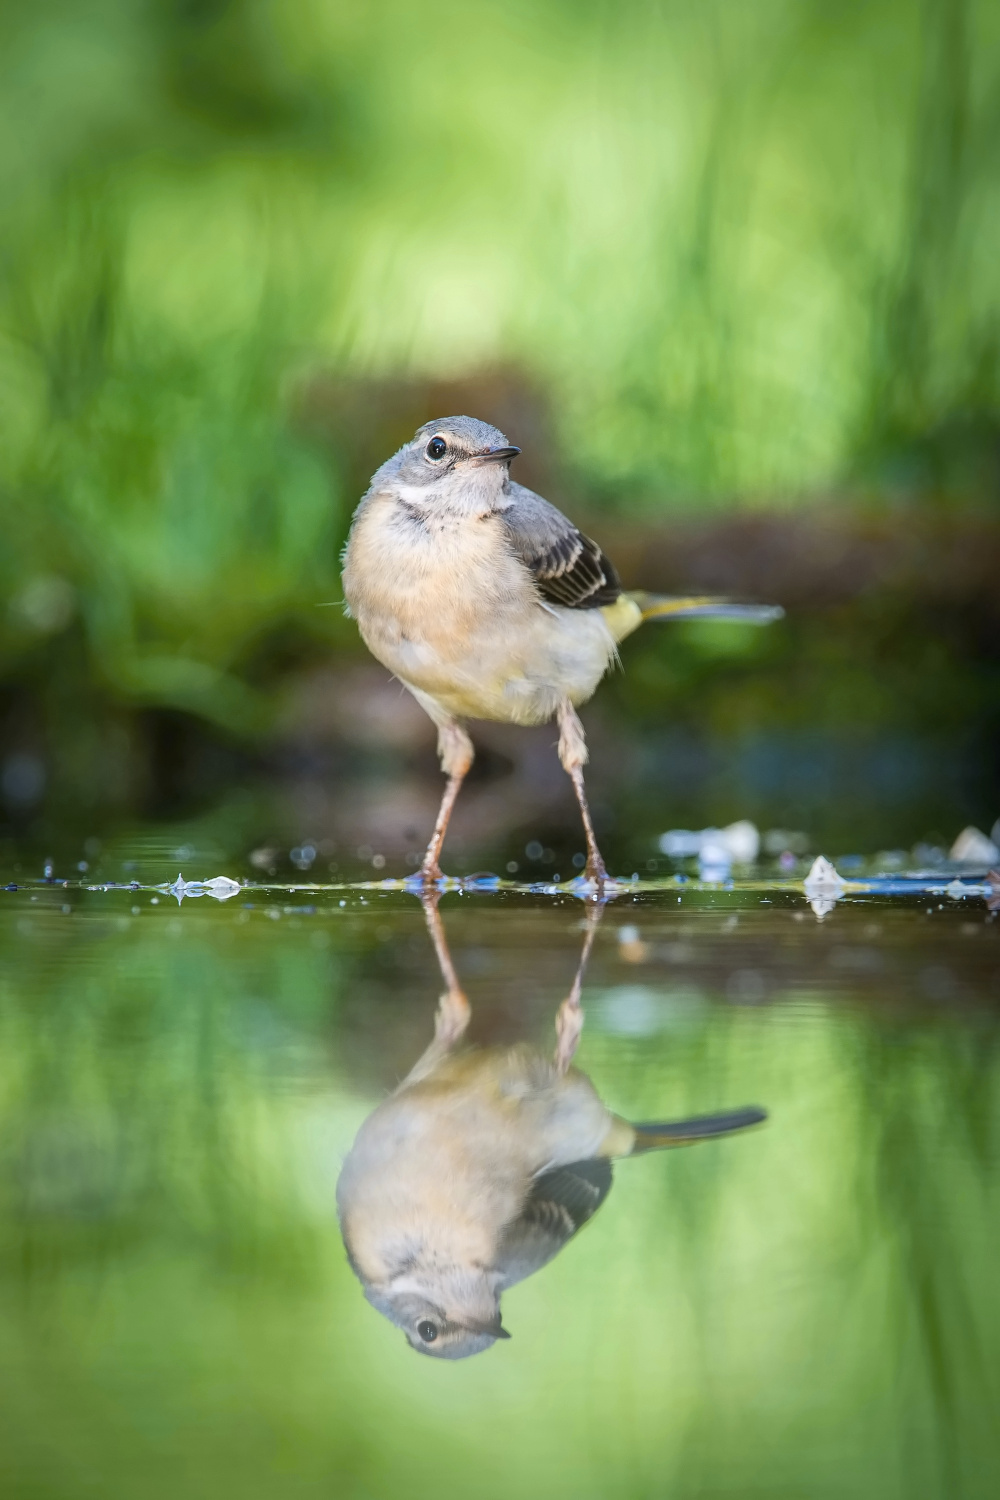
[807, 1309]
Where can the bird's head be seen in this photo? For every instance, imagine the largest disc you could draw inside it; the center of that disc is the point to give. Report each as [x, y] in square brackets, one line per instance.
[446, 1314]
[456, 463]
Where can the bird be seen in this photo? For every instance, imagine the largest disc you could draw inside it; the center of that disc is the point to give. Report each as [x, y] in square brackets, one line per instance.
[481, 1167]
[486, 602]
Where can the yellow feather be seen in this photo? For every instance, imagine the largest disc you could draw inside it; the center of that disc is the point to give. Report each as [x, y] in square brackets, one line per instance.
[654, 608]
[622, 617]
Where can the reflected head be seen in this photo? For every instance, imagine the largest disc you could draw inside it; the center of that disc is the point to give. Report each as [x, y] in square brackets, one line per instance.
[430, 1330]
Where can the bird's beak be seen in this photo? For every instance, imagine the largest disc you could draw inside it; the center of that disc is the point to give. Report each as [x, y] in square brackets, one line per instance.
[497, 455]
[492, 1326]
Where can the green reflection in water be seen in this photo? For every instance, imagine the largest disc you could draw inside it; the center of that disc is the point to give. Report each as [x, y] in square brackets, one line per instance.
[806, 1311]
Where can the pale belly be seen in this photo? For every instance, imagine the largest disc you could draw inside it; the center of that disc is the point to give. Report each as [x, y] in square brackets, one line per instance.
[455, 616]
[518, 672]
[452, 1159]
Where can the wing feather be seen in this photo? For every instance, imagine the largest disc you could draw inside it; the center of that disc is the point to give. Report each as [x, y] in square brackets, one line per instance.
[560, 1202]
[568, 567]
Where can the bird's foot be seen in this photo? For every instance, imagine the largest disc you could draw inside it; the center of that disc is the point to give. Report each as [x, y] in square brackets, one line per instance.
[428, 882]
[594, 884]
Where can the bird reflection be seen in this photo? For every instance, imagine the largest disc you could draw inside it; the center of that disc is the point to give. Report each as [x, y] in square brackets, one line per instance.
[481, 1167]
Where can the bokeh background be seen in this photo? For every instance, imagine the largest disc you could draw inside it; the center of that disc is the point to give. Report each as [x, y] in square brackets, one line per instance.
[728, 273]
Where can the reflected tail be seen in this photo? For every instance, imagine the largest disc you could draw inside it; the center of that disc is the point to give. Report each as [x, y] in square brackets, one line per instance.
[656, 1135]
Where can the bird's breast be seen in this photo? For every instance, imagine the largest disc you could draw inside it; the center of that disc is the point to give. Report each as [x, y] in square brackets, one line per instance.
[443, 1166]
[446, 605]
[430, 580]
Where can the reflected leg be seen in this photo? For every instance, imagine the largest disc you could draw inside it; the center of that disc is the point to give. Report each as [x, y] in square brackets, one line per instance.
[454, 1012]
[573, 755]
[569, 1017]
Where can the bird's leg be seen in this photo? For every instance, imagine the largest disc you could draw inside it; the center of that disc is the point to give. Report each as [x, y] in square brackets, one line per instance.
[456, 754]
[573, 754]
[454, 1012]
[569, 1017]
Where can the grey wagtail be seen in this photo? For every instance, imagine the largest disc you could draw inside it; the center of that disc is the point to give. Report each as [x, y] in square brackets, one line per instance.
[488, 603]
[480, 1168]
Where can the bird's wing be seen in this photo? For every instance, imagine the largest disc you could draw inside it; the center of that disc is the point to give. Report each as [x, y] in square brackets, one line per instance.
[567, 566]
[560, 1202]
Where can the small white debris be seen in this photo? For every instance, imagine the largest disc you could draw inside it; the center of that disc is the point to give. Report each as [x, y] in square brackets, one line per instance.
[823, 886]
[714, 851]
[738, 843]
[743, 841]
[221, 887]
[680, 843]
[972, 847]
[823, 875]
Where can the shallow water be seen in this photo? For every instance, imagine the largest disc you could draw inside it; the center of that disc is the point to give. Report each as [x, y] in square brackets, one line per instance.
[809, 1308]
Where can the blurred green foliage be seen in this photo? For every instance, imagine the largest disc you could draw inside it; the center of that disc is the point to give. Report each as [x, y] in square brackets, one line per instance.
[745, 252]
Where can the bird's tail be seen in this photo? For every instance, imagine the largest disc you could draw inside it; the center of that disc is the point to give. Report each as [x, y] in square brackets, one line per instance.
[704, 607]
[654, 1135]
[629, 611]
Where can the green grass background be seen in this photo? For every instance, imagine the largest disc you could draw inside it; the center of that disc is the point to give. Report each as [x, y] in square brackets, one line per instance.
[745, 254]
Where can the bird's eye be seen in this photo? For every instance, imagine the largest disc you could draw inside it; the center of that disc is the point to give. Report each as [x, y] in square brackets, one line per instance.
[428, 1331]
[437, 448]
